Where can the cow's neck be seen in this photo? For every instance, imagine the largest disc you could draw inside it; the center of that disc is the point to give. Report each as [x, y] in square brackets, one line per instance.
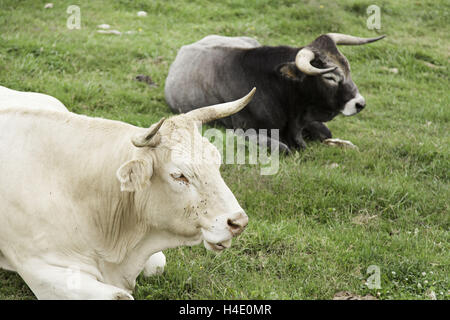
[124, 273]
[120, 228]
[116, 227]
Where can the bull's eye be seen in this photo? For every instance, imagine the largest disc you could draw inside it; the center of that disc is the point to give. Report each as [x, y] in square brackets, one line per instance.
[330, 78]
[180, 178]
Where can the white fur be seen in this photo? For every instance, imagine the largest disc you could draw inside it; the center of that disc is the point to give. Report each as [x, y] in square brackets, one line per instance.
[17, 99]
[350, 107]
[4, 264]
[155, 264]
[66, 226]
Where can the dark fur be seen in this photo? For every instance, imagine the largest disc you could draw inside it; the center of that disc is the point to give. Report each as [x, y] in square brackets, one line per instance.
[286, 99]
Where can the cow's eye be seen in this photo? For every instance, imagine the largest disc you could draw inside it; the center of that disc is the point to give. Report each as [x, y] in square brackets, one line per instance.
[180, 177]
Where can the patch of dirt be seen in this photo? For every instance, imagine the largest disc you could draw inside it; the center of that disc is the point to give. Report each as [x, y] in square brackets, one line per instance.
[433, 66]
[363, 219]
[345, 295]
[147, 79]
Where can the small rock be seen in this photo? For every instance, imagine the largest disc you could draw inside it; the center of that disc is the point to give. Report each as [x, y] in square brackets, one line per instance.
[332, 165]
[104, 26]
[433, 66]
[116, 32]
[392, 70]
[142, 14]
[431, 295]
[48, 5]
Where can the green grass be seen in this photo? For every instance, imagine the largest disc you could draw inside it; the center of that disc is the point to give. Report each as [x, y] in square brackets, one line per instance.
[313, 231]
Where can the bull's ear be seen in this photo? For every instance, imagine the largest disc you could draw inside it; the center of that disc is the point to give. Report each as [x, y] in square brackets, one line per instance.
[290, 71]
[134, 175]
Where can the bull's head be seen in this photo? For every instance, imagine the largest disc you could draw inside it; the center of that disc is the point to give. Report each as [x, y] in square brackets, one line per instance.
[330, 86]
[176, 180]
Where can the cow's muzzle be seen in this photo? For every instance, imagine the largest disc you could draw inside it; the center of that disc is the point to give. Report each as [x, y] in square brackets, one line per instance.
[238, 224]
[218, 236]
[354, 105]
[219, 246]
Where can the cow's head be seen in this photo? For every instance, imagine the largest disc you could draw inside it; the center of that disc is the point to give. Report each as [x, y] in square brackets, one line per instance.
[177, 183]
[329, 85]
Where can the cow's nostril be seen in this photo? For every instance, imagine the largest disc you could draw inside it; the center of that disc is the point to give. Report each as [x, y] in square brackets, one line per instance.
[234, 224]
[238, 225]
[360, 106]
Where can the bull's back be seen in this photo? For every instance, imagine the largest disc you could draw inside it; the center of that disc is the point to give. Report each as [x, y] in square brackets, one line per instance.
[195, 77]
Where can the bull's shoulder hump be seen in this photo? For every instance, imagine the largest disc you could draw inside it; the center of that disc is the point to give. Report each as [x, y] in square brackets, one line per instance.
[64, 117]
[215, 41]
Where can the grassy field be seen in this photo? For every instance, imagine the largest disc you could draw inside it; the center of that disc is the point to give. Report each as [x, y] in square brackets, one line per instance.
[314, 230]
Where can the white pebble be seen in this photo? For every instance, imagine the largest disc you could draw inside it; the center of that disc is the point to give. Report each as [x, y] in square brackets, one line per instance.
[104, 26]
[142, 14]
[116, 32]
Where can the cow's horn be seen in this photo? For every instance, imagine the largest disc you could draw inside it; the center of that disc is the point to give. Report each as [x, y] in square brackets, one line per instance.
[303, 63]
[346, 39]
[222, 110]
[148, 139]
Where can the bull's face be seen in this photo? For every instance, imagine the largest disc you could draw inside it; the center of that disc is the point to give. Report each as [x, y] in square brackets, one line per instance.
[325, 77]
[177, 182]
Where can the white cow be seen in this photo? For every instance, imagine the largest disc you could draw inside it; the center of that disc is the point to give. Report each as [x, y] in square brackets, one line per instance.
[85, 202]
[18, 99]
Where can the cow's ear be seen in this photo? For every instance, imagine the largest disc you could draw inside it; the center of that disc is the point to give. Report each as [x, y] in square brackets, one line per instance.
[290, 71]
[134, 175]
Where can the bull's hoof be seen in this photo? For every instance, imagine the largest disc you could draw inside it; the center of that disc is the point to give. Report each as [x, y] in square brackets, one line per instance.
[122, 295]
[284, 149]
[340, 143]
[316, 131]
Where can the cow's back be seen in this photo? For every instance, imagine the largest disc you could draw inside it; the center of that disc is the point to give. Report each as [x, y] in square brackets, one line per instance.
[17, 99]
[50, 164]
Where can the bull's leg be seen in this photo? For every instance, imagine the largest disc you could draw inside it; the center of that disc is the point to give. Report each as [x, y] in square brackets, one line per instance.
[295, 133]
[298, 140]
[50, 282]
[316, 131]
[155, 264]
[267, 141]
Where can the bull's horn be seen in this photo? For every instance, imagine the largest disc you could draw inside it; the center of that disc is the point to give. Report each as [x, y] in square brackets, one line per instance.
[148, 139]
[303, 63]
[346, 39]
[222, 110]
